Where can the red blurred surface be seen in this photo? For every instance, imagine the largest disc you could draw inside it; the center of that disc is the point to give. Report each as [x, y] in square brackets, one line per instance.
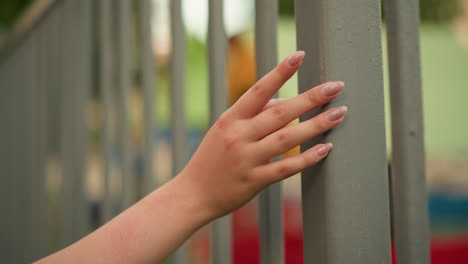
[444, 250]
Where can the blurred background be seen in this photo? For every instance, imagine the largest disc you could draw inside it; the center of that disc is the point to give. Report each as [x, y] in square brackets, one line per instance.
[444, 54]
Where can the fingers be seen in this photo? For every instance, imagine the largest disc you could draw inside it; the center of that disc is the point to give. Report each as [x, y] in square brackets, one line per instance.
[278, 115]
[280, 170]
[289, 137]
[257, 97]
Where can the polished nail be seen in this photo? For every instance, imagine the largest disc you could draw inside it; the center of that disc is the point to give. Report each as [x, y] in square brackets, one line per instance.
[295, 58]
[337, 113]
[323, 150]
[332, 88]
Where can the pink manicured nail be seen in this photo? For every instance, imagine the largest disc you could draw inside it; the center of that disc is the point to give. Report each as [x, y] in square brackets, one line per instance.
[323, 150]
[295, 58]
[332, 88]
[337, 113]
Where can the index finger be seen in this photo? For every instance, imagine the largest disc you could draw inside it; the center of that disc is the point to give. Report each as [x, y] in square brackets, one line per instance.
[260, 93]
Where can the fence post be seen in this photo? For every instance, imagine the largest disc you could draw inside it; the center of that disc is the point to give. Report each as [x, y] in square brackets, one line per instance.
[105, 84]
[38, 189]
[345, 198]
[177, 93]
[270, 200]
[147, 61]
[217, 57]
[409, 199]
[83, 44]
[124, 86]
[73, 138]
[66, 127]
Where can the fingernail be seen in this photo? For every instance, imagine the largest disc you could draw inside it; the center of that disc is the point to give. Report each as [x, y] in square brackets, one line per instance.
[295, 58]
[332, 88]
[337, 113]
[323, 150]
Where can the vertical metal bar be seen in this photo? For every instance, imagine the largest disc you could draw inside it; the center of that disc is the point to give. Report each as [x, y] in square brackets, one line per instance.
[39, 199]
[83, 77]
[345, 198]
[19, 152]
[410, 213]
[105, 80]
[270, 200]
[73, 144]
[66, 201]
[177, 86]
[54, 120]
[29, 161]
[7, 102]
[148, 85]
[217, 55]
[125, 86]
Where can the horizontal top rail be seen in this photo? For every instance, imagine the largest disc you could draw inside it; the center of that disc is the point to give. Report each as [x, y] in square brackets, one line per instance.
[33, 14]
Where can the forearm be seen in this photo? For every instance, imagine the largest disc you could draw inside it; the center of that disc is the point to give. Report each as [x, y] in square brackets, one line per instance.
[148, 232]
[232, 164]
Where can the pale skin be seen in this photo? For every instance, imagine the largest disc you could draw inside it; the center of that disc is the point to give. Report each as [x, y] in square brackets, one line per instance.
[230, 167]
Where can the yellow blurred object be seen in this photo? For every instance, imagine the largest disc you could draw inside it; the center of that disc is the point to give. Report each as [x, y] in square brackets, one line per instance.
[241, 67]
[241, 73]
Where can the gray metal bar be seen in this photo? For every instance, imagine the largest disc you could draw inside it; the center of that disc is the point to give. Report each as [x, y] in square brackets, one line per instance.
[54, 120]
[66, 143]
[177, 93]
[38, 187]
[125, 86]
[82, 43]
[105, 83]
[7, 157]
[270, 200]
[217, 57]
[73, 138]
[345, 198]
[409, 194]
[30, 159]
[148, 85]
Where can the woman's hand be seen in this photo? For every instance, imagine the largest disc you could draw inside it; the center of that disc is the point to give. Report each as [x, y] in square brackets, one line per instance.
[232, 164]
[229, 168]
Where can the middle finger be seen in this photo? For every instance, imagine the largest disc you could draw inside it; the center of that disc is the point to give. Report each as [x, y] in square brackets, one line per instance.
[284, 112]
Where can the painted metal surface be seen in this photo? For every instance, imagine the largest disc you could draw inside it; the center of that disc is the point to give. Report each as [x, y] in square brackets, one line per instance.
[409, 195]
[148, 62]
[345, 198]
[124, 83]
[217, 58]
[105, 86]
[177, 94]
[270, 200]
[73, 124]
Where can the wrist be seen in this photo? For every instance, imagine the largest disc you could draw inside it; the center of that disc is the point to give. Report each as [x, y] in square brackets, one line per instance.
[183, 202]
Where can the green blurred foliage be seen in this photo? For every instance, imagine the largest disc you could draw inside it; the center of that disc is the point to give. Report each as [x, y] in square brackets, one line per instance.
[438, 10]
[10, 10]
[431, 10]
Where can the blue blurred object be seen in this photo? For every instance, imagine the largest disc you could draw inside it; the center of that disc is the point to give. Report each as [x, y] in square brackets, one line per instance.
[449, 210]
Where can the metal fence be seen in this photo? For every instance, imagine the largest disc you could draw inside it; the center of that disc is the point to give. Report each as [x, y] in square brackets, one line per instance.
[63, 49]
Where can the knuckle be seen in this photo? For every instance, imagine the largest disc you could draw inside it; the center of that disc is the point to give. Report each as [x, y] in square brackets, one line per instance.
[258, 89]
[224, 120]
[313, 98]
[283, 139]
[230, 141]
[283, 169]
[279, 112]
